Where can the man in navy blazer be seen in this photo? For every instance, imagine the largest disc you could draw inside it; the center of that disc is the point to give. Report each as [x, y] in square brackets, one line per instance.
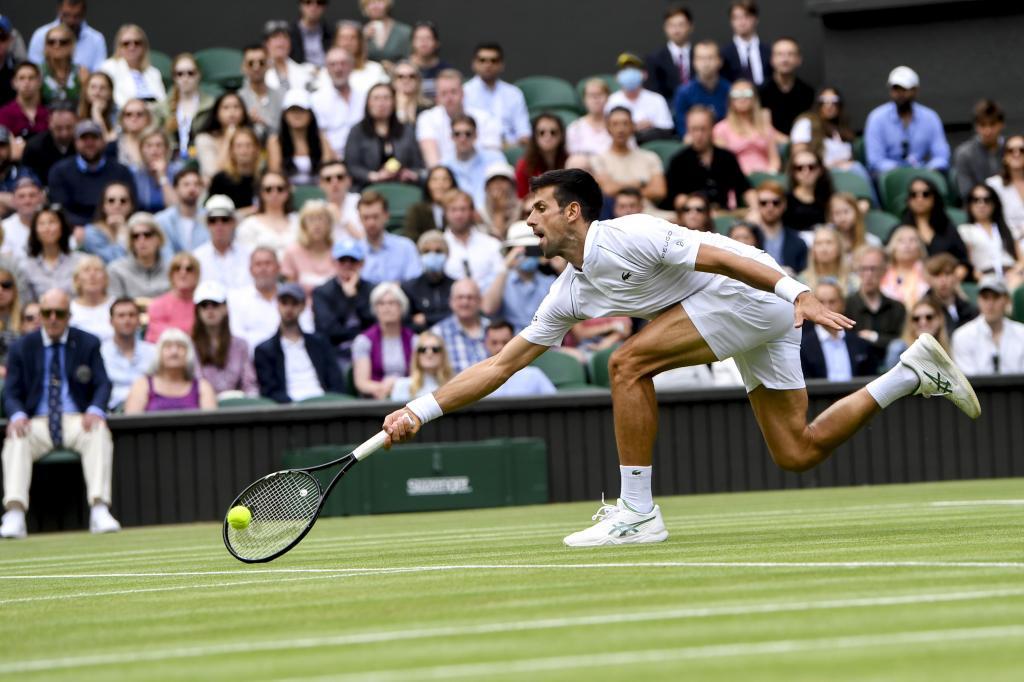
[53, 406]
[665, 67]
[755, 63]
[836, 356]
[293, 366]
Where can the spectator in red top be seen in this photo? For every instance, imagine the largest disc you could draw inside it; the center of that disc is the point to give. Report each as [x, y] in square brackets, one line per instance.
[25, 115]
[545, 151]
[176, 308]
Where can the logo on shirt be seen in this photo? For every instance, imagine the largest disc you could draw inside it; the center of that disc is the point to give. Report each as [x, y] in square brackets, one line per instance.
[626, 275]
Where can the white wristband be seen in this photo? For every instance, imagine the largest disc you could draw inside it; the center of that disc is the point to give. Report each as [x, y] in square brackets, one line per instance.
[788, 289]
[425, 408]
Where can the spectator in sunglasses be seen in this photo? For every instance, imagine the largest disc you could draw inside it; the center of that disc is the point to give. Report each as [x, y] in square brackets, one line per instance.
[50, 263]
[275, 224]
[176, 308]
[902, 133]
[261, 101]
[409, 99]
[143, 273]
[992, 249]
[1008, 182]
[129, 68]
[747, 131]
[187, 106]
[694, 212]
[486, 90]
[781, 242]
[62, 78]
[925, 318]
[810, 188]
[90, 45]
[430, 369]
[926, 212]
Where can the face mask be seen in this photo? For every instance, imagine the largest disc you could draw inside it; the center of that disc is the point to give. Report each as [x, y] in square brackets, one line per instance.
[630, 79]
[433, 261]
[528, 264]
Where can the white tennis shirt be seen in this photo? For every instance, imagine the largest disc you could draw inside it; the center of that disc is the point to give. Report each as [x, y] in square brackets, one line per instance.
[635, 266]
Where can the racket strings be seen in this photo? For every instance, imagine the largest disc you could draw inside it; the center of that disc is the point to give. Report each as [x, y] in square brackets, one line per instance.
[282, 506]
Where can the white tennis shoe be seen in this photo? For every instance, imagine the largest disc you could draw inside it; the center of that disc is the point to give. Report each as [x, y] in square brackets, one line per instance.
[618, 524]
[938, 375]
[13, 524]
[101, 520]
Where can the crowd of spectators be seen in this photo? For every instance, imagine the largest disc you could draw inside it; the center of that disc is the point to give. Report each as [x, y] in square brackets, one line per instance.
[240, 241]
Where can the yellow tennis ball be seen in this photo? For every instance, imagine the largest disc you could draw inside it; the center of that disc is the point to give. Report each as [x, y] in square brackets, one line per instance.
[239, 517]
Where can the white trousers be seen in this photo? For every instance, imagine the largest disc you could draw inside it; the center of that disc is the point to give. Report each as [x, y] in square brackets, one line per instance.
[96, 448]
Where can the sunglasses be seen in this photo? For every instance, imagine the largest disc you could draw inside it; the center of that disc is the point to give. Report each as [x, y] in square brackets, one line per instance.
[183, 268]
[925, 317]
[741, 94]
[214, 219]
[1015, 150]
[206, 305]
[695, 209]
[143, 235]
[404, 76]
[58, 42]
[769, 202]
[124, 201]
[339, 177]
[256, 63]
[547, 133]
[7, 284]
[274, 189]
[133, 113]
[981, 200]
[800, 167]
[429, 349]
[131, 43]
[829, 100]
[190, 73]
[921, 194]
[59, 313]
[463, 133]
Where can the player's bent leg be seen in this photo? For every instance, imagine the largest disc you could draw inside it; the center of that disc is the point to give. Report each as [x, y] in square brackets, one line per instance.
[796, 445]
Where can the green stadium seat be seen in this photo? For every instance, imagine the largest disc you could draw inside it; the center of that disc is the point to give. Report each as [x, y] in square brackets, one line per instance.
[567, 116]
[723, 223]
[757, 177]
[548, 92]
[608, 78]
[328, 398]
[880, 223]
[858, 151]
[893, 185]
[400, 197]
[514, 153]
[1018, 304]
[303, 193]
[599, 375]
[245, 401]
[957, 216]
[58, 456]
[161, 61]
[564, 371]
[970, 290]
[211, 89]
[221, 66]
[783, 148]
[665, 149]
[846, 181]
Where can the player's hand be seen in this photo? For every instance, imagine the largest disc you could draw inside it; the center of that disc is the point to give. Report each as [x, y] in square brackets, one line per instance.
[809, 308]
[401, 425]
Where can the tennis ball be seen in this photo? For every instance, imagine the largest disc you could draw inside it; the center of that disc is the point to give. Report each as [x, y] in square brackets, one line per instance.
[239, 517]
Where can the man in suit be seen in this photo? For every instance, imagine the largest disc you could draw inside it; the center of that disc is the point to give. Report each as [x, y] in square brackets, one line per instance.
[56, 393]
[830, 354]
[745, 56]
[672, 65]
[293, 366]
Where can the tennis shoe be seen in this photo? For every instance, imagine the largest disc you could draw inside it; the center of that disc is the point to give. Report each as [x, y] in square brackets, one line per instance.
[619, 524]
[101, 521]
[13, 524]
[938, 376]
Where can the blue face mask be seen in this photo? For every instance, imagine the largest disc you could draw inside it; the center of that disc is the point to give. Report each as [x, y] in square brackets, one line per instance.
[630, 79]
[528, 264]
[433, 262]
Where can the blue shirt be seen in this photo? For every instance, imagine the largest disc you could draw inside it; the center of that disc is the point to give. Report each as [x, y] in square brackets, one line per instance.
[522, 297]
[123, 371]
[837, 356]
[528, 381]
[68, 405]
[888, 144]
[693, 93]
[395, 261]
[463, 350]
[470, 174]
[90, 48]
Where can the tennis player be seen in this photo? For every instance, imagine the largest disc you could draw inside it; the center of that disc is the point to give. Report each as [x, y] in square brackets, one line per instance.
[708, 298]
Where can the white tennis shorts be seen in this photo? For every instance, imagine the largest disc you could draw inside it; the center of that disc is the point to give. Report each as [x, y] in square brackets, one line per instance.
[753, 327]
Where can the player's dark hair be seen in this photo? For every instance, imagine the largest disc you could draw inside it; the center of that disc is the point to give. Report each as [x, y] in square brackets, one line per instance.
[572, 184]
[498, 324]
[679, 9]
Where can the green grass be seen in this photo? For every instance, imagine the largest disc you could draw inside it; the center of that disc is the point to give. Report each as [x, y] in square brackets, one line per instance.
[921, 582]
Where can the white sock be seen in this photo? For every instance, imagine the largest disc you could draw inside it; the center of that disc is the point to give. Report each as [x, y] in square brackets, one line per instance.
[898, 382]
[636, 488]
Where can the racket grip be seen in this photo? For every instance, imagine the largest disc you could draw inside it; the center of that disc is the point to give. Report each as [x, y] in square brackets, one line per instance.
[371, 446]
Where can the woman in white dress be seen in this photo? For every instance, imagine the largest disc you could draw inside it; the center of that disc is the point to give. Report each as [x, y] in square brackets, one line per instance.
[992, 249]
[90, 308]
[275, 225]
[129, 68]
[1009, 185]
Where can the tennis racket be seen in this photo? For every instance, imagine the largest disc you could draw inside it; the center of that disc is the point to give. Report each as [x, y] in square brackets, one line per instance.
[285, 505]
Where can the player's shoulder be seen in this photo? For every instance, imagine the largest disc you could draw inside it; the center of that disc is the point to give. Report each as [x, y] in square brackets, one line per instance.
[638, 230]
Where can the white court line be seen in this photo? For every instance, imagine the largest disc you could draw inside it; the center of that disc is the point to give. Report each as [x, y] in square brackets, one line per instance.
[976, 503]
[529, 567]
[248, 646]
[623, 658]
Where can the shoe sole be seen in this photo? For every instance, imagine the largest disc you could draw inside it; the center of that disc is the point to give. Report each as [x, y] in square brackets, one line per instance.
[646, 538]
[935, 349]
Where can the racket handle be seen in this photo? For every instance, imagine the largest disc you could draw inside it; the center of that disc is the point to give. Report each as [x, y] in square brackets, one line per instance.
[371, 446]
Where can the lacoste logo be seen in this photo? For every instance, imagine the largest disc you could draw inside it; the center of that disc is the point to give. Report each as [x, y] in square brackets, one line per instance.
[626, 275]
[942, 385]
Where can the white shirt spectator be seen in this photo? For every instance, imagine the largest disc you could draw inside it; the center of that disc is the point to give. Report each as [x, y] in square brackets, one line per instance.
[123, 371]
[299, 372]
[435, 124]
[335, 115]
[505, 102]
[15, 238]
[479, 258]
[252, 232]
[148, 84]
[583, 138]
[95, 319]
[648, 106]
[1013, 205]
[986, 248]
[299, 77]
[251, 317]
[230, 268]
[529, 381]
[976, 353]
[360, 79]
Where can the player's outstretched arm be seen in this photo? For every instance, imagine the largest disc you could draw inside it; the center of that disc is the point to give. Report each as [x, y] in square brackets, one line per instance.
[760, 276]
[466, 388]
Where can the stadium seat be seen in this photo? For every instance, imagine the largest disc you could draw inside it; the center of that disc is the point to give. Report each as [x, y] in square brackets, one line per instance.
[303, 193]
[608, 78]
[665, 149]
[1018, 304]
[245, 401]
[211, 89]
[400, 197]
[328, 398]
[564, 371]
[599, 375]
[892, 186]
[970, 290]
[880, 223]
[723, 223]
[514, 153]
[783, 148]
[847, 181]
[858, 151]
[757, 177]
[58, 456]
[567, 116]
[161, 61]
[957, 216]
[221, 66]
[548, 92]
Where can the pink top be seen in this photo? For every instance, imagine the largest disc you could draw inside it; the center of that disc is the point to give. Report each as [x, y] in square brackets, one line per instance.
[301, 265]
[907, 290]
[751, 152]
[170, 310]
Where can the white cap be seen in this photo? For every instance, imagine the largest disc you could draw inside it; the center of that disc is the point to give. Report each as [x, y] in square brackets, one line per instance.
[220, 204]
[499, 169]
[905, 77]
[520, 234]
[296, 98]
[210, 290]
